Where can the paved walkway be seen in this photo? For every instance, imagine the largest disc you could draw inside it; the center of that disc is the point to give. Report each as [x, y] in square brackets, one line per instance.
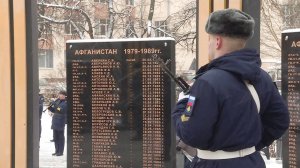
[47, 148]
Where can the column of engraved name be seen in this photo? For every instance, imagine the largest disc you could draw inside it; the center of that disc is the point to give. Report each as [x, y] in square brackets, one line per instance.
[294, 107]
[131, 110]
[153, 115]
[104, 133]
[79, 114]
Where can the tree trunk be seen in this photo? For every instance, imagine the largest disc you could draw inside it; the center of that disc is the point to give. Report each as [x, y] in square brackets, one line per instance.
[150, 17]
[111, 19]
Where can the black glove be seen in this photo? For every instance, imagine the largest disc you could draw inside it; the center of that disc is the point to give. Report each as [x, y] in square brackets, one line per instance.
[51, 108]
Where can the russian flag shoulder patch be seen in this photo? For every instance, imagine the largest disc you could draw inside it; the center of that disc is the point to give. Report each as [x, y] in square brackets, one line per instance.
[189, 106]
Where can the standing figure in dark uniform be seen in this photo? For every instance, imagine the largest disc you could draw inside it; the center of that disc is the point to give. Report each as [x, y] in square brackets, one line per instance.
[233, 109]
[41, 104]
[59, 119]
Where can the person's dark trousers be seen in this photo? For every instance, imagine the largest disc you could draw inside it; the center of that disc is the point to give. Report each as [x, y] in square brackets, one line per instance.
[40, 132]
[52, 140]
[40, 128]
[59, 141]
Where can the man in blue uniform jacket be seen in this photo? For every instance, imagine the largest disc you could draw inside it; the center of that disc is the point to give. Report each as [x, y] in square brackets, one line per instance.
[59, 119]
[41, 104]
[221, 117]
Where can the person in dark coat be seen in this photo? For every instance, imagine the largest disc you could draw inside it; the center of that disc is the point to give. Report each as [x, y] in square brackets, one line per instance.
[41, 104]
[221, 117]
[59, 119]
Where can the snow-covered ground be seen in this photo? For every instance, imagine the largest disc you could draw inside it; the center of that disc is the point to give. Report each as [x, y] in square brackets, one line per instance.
[47, 148]
[272, 163]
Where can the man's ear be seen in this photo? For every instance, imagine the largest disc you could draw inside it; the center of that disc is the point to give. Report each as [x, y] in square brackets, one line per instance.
[219, 42]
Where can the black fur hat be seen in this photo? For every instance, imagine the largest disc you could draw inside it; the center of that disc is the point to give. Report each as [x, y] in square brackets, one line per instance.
[230, 23]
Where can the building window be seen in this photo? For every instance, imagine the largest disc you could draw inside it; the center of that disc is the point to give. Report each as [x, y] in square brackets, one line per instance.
[101, 27]
[130, 2]
[45, 58]
[69, 28]
[161, 28]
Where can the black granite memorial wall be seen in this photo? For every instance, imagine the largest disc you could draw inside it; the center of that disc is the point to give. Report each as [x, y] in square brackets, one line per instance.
[119, 104]
[291, 93]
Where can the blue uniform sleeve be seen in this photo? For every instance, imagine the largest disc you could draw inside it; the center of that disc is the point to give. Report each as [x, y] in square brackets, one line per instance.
[52, 107]
[275, 120]
[199, 128]
[41, 103]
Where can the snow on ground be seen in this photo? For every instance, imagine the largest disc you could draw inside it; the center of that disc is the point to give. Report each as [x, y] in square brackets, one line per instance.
[47, 148]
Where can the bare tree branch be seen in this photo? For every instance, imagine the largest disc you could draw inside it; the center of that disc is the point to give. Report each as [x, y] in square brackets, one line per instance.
[52, 20]
[73, 8]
